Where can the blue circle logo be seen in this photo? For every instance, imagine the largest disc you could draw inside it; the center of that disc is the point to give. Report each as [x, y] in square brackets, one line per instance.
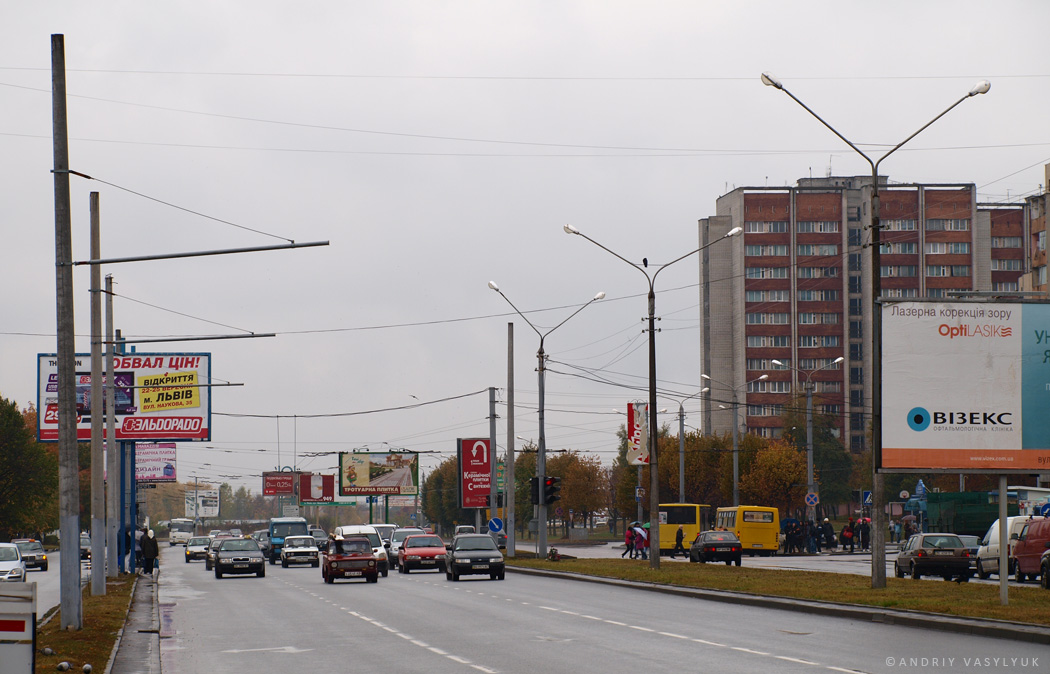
[918, 419]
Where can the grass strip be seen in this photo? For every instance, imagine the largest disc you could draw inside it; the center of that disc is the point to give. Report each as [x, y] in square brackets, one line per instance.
[93, 644]
[972, 600]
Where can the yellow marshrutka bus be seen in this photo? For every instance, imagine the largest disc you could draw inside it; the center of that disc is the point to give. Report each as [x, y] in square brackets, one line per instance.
[694, 518]
[757, 527]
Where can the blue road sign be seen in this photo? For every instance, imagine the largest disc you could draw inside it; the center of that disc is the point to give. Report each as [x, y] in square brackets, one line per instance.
[1045, 510]
[496, 525]
[812, 499]
[867, 498]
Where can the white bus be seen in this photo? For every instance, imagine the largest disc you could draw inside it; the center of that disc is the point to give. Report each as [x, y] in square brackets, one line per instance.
[180, 530]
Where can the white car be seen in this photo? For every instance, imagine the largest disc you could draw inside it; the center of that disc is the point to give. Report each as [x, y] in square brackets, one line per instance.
[397, 538]
[12, 568]
[300, 550]
[369, 532]
[197, 548]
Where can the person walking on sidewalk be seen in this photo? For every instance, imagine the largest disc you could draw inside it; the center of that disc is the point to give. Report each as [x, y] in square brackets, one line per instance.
[679, 536]
[150, 552]
[628, 539]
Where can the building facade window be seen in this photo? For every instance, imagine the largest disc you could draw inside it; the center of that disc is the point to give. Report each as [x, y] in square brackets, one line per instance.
[1006, 287]
[768, 341]
[899, 248]
[856, 351]
[768, 296]
[756, 250]
[856, 306]
[1006, 242]
[899, 225]
[854, 262]
[947, 247]
[765, 410]
[895, 270]
[766, 364]
[765, 227]
[900, 292]
[856, 330]
[767, 386]
[817, 249]
[767, 319]
[818, 295]
[765, 272]
[948, 225]
[809, 364]
[817, 341]
[818, 227]
[935, 270]
[1006, 265]
[817, 272]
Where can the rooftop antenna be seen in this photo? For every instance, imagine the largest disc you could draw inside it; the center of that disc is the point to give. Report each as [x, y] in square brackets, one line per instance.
[829, 165]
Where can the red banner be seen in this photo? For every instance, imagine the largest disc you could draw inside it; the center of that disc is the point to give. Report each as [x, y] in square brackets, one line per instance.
[316, 488]
[475, 472]
[278, 484]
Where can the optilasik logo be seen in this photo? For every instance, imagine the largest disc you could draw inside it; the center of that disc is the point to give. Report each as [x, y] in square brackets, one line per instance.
[919, 419]
[974, 330]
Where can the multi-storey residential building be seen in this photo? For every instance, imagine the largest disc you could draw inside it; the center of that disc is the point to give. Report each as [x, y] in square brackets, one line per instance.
[1036, 208]
[796, 288]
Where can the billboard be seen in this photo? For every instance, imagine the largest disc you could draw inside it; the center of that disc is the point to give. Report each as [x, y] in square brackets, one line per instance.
[637, 434]
[155, 462]
[373, 473]
[157, 396]
[206, 505]
[315, 488]
[277, 483]
[965, 386]
[474, 460]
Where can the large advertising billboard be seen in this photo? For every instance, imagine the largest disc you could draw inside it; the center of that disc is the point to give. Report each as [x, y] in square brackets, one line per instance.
[475, 472]
[372, 473]
[966, 386]
[279, 483]
[158, 397]
[202, 503]
[155, 462]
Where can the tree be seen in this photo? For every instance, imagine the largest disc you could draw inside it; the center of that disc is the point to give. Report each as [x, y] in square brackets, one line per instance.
[832, 464]
[28, 476]
[583, 490]
[776, 477]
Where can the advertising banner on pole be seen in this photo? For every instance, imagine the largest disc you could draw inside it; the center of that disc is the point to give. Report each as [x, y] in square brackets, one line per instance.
[375, 473]
[966, 386]
[474, 461]
[637, 434]
[157, 397]
[278, 483]
[155, 462]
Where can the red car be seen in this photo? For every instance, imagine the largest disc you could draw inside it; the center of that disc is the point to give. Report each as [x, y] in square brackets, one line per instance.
[421, 551]
[350, 558]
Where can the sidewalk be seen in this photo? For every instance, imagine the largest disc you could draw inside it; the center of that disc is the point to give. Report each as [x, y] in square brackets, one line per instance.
[138, 645]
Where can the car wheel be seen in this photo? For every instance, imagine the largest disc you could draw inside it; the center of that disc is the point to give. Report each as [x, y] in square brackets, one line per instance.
[207, 565]
[45, 567]
[405, 569]
[261, 573]
[273, 560]
[373, 579]
[915, 572]
[386, 572]
[729, 562]
[981, 573]
[455, 575]
[187, 559]
[737, 560]
[965, 578]
[897, 570]
[284, 563]
[1044, 581]
[947, 576]
[328, 579]
[1019, 576]
[493, 576]
[218, 574]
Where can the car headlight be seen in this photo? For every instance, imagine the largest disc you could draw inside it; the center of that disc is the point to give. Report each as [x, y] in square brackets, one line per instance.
[15, 573]
[495, 560]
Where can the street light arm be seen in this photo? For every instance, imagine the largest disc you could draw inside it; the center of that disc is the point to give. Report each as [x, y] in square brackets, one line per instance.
[730, 233]
[492, 284]
[569, 229]
[973, 92]
[600, 295]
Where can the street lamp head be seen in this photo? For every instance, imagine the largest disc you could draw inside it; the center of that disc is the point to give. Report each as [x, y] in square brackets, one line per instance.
[777, 362]
[981, 87]
[492, 284]
[705, 389]
[569, 229]
[770, 80]
[838, 360]
[600, 295]
[734, 231]
[704, 376]
[763, 377]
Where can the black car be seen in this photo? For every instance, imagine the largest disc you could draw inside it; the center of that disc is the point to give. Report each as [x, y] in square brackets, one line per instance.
[474, 554]
[262, 537]
[716, 546]
[85, 546]
[934, 554]
[239, 555]
[210, 555]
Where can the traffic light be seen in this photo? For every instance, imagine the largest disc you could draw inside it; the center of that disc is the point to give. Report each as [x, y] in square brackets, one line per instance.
[534, 490]
[551, 487]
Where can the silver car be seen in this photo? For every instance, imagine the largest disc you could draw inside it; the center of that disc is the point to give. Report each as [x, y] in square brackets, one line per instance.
[398, 537]
[12, 567]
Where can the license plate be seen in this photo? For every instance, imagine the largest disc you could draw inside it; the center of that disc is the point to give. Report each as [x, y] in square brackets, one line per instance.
[240, 566]
[353, 573]
[943, 552]
[480, 566]
[428, 561]
[756, 545]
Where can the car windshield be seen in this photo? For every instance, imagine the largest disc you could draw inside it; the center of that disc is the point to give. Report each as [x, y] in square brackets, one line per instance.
[401, 534]
[199, 541]
[29, 546]
[285, 529]
[85, 540]
[970, 541]
[720, 536]
[299, 542]
[356, 546]
[216, 542]
[424, 542]
[8, 554]
[238, 544]
[942, 542]
[479, 543]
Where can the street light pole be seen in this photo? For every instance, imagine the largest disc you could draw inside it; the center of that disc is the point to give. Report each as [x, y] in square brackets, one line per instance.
[736, 451]
[811, 511]
[541, 451]
[681, 443]
[654, 477]
[878, 542]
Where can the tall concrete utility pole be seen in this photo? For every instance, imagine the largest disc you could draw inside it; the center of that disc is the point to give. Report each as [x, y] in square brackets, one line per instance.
[113, 535]
[98, 485]
[512, 490]
[70, 604]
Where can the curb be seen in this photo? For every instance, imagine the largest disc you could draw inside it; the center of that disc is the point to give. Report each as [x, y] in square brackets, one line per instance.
[120, 632]
[985, 627]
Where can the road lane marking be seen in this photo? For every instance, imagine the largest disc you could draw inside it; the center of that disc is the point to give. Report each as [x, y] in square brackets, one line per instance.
[798, 660]
[748, 650]
[673, 635]
[641, 629]
[710, 643]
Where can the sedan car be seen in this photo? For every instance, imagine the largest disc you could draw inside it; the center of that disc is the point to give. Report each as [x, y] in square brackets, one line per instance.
[399, 535]
[320, 539]
[32, 553]
[209, 556]
[351, 557]
[300, 550]
[85, 546]
[716, 546]
[973, 544]
[473, 554]
[239, 555]
[197, 548]
[12, 568]
[932, 554]
[422, 551]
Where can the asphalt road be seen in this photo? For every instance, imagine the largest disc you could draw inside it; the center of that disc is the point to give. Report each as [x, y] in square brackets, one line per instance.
[291, 621]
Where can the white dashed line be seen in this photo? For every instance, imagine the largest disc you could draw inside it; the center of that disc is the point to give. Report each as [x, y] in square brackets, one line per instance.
[673, 635]
[710, 643]
[432, 649]
[748, 650]
[613, 622]
[641, 629]
[798, 660]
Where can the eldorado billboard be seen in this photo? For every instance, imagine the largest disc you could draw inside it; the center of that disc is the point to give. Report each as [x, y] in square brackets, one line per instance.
[158, 396]
[369, 474]
[966, 386]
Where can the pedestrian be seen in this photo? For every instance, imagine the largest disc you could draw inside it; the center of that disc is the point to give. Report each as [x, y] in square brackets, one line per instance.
[150, 551]
[829, 535]
[897, 531]
[847, 535]
[864, 529]
[628, 539]
[679, 536]
[138, 546]
[641, 541]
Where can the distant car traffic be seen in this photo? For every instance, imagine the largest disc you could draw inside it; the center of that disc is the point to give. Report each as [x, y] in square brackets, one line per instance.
[351, 557]
[716, 546]
[85, 546]
[320, 538]
[421, 551]
[300, 550]
[209, 556]
[262, 537]
[934, 554]
[239, 555]
[12, 568]
[474, 554]
[33, 553]
[973, 544]
[197, 548]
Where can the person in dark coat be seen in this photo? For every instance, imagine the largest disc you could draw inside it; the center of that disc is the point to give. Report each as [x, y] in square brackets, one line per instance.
[864, 530]
[150, 551]
[679, 537]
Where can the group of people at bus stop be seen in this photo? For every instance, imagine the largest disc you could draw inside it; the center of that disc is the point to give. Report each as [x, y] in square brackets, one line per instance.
[810, 537]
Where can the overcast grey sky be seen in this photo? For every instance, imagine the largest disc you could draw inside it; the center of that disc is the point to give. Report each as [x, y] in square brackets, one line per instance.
[441, 145]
